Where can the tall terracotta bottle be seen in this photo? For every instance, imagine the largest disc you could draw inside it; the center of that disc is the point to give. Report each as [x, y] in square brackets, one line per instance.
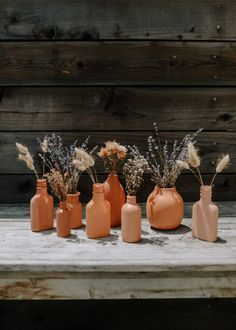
[131, 220]
[205, 216]
[63, 220]
[41, 208]
[165, 208]
[75, 209]
[114, 193]
[98, 214]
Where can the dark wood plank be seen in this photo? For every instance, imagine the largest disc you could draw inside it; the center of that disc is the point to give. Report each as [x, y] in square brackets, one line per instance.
[212, 144]
[117, 108]
[117, 63]
[123, 19]
[20, 188]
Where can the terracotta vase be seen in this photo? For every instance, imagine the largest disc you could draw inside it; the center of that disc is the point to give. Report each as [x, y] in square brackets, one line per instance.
[131, 220]
[41, 208]
[63, 220]
[98, 214]
[75, 208]
[205, 216]
[165, 208]
[114, 193]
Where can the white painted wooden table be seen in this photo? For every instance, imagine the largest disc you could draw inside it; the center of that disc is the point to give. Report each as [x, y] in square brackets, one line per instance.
[163, 265]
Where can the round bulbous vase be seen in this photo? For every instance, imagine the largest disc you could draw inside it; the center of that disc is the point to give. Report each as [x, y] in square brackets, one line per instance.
[131, 220]
[41, 208]
[165, 208]
[63, 220]
[115, 195]
[98, 214]
[75, 208]
[205, 216]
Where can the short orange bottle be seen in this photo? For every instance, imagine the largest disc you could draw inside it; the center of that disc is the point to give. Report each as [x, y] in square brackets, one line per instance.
[98, 214]
[205, 216]
[63, 220]
[114, 193]
[75, 208]
[41, 208]
[131, 220]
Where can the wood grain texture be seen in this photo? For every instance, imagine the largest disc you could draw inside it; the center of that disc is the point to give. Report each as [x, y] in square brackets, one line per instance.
[211, 144]
[117, 63]
[163, 265]
[126, 19]
[122, 108]
[20, 188]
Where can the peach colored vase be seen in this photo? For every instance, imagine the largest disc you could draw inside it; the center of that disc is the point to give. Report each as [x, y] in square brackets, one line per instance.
[115, 194]
[41, 208]
[165, 208]
[98, 214]
[205, 216]
[75, 208]
[63, 220]
[131, 220]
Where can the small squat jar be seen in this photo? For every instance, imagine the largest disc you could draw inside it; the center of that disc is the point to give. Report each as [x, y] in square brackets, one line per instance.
[131, 220]
[98, 214]
[205, 216]
[75, 208]
[41, 208]
[63, 220]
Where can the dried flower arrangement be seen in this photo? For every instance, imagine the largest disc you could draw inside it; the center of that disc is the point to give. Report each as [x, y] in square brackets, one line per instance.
[112, 154]
[25, 156]
[164, 160]
[133, 170]
[193, 162]
[83, 161]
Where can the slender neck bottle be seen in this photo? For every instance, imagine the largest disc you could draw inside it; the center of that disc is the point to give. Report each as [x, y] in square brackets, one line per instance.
[206, 193]
[63, 205]
[98, 192]
[42, 187]
[131, 200]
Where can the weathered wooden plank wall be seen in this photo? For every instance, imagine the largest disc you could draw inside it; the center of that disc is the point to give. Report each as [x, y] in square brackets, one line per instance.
[108, 69]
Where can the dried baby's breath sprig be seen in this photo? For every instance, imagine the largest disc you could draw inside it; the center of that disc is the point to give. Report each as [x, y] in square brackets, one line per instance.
[133, 170]
[83, 161]
[221, 164]
[44, 148]
[194, 159]
[58, 184]
[25, 156]
[112, 154]
[163, 158]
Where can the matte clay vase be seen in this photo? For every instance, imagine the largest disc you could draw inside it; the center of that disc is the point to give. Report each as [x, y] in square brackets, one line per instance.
[63, 220]
[205, 217]
[41, 208]
[131, 220]
[114, 193]
[75, 208]
[98, 214]
[165, 208]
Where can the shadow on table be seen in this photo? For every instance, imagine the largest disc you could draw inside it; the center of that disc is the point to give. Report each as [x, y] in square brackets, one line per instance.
[159, 241]
[182, 229]
[48, 232]
[220, 241]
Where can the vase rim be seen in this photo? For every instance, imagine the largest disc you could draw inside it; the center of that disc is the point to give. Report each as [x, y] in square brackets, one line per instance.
[98, 188]
[75, 194]
[166, 188]
[41, 183]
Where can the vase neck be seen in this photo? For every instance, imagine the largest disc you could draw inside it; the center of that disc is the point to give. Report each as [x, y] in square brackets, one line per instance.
[41, 186]
[98, 192]
[131, 199]
[206, 194]
[63, 205]
[72, 198]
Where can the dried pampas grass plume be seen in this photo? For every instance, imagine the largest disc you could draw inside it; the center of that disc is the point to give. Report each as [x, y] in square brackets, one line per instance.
[22, 149]
[221, 164]
[26, 157]
[183, 165]
[82, 156]
[194, 158]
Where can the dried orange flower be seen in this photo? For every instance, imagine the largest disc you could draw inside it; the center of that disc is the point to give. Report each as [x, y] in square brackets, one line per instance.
[112, 154]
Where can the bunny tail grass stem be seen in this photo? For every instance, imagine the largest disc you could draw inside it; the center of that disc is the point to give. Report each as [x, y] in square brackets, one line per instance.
[200, 176]
[213, 179]
[195, 175]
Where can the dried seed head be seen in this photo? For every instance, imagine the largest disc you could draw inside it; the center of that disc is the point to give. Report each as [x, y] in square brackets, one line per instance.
[22, 149]
[194, 159]
[222, 163]
[183, 165]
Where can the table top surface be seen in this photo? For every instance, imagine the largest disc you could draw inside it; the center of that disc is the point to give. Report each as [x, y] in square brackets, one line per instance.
[158, 251]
